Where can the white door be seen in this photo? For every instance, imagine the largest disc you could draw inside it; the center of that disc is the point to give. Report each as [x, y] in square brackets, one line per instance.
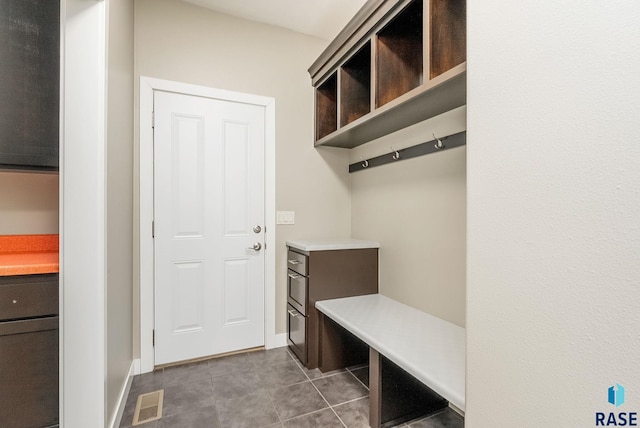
[208, 215]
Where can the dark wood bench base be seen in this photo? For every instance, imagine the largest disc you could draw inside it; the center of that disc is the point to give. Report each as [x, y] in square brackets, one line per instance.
[395, 396]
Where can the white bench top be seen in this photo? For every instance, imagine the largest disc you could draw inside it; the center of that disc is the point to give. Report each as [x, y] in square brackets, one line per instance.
[429, 348]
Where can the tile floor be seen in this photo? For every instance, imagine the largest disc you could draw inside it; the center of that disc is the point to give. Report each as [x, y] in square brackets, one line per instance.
[263, 389]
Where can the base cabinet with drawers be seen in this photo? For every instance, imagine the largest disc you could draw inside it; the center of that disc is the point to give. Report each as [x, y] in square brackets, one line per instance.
[29, 351]
[320, 270]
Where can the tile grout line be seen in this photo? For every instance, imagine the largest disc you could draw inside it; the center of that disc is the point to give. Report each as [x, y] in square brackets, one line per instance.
[361, 382]
[346, 370]
[329, 405]
[351, 401]
[274, 407]
[338, 416]
[298, 383]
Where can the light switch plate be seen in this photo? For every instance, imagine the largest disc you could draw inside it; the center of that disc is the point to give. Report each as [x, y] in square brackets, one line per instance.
[285, 217]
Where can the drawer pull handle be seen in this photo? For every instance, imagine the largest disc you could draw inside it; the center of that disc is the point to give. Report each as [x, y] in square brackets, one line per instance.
[295, 262]
[293, 313]
[15, 301]
[294, 276]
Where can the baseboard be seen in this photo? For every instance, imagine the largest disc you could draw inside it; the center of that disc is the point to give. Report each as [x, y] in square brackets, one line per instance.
[456, 409]
[280, 340]
[124, 393]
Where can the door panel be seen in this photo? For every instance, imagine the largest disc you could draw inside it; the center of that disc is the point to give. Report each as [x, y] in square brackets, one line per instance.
[237, 290]
[236, 186]
[208, 195]
[188, 175]
[188, 296]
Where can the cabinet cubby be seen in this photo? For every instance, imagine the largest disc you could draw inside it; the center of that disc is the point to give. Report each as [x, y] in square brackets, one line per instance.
[448, 35]
[355, 86]
[396, 63]
[327, 107]
[399, 54]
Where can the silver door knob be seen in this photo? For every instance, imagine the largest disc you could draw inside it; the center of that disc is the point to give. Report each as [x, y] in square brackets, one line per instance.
[257, 228]
[256, 247]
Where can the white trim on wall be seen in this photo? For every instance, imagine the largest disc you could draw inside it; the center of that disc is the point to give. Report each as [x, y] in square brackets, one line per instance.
[82, 214]
[147, 86]
[116, 418]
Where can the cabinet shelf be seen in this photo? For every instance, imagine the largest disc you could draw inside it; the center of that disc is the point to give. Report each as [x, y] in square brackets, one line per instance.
[396, 63]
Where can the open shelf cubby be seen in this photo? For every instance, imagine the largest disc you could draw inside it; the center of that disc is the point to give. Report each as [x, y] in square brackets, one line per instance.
[327, 107]
[400, 54]
[448, 35]
[355, 86]
[395, 64]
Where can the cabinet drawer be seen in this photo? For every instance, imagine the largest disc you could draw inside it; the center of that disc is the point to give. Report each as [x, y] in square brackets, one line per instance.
[297, 291]
[297, 262]
[28, 296]
[297, 333]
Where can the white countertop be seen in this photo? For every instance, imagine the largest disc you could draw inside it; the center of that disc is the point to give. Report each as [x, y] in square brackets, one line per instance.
[429, 348]
[331, 244]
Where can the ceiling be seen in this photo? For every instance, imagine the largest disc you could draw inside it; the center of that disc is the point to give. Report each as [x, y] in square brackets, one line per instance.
[319, 18]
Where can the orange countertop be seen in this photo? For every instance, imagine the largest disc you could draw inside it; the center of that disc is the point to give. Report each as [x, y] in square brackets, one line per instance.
[28, 254]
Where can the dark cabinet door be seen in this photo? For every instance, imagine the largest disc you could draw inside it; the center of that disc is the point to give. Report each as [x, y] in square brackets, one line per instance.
[29, 373]
[29, 83]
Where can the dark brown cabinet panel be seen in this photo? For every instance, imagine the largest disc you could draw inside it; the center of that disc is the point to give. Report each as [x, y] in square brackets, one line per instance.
[325, 275]
[29, 84]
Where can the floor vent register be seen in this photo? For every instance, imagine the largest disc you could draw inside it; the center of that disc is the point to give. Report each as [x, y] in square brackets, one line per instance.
[148, 407]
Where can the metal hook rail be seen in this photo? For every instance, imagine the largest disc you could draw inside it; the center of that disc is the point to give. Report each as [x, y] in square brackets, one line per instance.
[436, 145]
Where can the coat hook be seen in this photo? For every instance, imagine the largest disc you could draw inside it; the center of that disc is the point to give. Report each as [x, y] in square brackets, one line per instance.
[395, 155]
[439, 144]
[364, 164]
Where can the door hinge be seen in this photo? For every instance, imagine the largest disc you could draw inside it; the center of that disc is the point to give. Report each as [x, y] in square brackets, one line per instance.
[153, 335]
[153, 119]
[153, 229]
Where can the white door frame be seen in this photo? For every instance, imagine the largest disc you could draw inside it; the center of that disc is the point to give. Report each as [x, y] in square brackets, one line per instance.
[147, 86]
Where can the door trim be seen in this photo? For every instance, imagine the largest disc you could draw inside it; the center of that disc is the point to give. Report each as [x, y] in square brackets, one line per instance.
[145, 198]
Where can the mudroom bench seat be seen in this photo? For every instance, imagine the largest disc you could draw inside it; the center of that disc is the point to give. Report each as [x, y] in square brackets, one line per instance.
[416, 360]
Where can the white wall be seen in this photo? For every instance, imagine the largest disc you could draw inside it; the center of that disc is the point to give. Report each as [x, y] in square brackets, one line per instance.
[182, 42]
[119, 175]
[28, 203]
[416, 209]
[553, 211]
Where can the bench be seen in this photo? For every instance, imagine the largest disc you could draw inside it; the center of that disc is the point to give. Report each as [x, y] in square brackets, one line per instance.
[428, 348]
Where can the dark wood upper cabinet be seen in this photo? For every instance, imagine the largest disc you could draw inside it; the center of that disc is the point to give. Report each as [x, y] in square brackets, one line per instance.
[29, 84]
[396, 63]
